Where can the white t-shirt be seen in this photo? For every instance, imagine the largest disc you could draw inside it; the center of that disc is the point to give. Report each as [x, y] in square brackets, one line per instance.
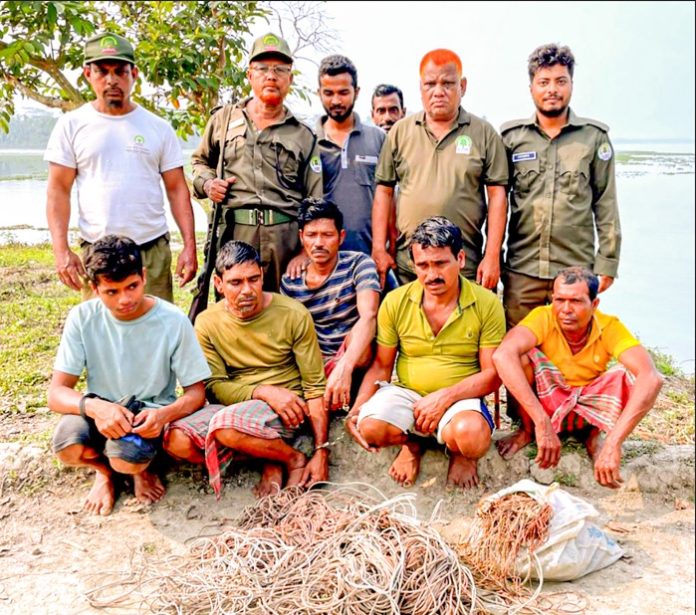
[119, 161]
[143, 357]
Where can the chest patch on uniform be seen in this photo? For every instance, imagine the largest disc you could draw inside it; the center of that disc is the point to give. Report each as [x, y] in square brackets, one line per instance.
[463, 144]
[366, 159]
[522, 156]
[604, 152]
[235, 123]
[315, 164]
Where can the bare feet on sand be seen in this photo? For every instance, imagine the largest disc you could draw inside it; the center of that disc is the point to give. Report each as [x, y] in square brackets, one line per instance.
[462, 472]
[406, 466]
[295, 470]
[148, 487]
[592, 443]
[509, 445]
[271, 480]
[102, 496]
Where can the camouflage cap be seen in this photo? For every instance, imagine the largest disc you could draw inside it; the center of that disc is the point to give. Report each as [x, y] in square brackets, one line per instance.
[270, 44]
[108, 46]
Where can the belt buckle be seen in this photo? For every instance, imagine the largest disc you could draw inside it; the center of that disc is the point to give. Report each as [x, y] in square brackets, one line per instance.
[258, 215]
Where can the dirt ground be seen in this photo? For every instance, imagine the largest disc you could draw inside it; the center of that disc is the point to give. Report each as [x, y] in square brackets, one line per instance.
[52, 553]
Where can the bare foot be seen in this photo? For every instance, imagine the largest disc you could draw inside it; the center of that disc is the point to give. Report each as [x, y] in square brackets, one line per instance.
[148, 487]
[592, 443]
[509, 445]
[462, 472]
[406, 466]
[296, 469]
[101, 498]
[271, 480]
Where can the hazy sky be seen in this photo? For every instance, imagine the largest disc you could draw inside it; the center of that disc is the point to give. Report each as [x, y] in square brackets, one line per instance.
[634, 60]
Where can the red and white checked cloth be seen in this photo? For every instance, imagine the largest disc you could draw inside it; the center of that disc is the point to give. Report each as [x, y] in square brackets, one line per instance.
[600, 402]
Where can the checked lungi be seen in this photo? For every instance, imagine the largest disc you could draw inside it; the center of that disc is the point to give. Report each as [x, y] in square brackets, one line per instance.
[598, 403]
[253, 417]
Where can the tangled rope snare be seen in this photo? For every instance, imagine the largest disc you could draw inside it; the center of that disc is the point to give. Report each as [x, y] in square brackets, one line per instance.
[343, 550]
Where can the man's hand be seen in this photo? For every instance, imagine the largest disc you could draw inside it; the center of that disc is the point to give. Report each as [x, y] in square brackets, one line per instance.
[338, 387]
[289, 406]
[384, 262]
[112, 421]
[149, 423]
[186, 265]
[607, 466]
[70, 269]
[605, 282]
[352, 429]
[317, 469]
[297, 265]
[428, 410]
[488, 272]
[548, 445]
[217, 188]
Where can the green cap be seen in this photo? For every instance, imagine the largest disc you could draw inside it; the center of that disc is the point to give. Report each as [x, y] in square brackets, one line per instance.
[270, 44]
[108, 46]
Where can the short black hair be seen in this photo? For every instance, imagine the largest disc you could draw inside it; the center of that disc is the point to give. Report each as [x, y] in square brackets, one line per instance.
[235, 253]
[316, 209]
[384, 89]
[571, 275]
[113, 256]
[549, 55]
[337, 65]
[437, 232]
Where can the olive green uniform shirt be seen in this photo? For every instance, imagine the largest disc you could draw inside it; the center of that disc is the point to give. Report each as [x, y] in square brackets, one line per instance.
[278, 347]
[443, 178]
[562, 190]
[275, 167]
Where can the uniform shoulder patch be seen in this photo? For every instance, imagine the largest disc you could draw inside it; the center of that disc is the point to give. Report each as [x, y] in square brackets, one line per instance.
[315, 163]
[604, 151]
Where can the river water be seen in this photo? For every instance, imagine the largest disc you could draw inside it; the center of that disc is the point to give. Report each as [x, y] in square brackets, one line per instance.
[653, 296]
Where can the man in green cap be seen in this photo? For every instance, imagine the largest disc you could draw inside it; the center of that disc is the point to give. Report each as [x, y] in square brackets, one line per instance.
[270, 163]
[116, 153]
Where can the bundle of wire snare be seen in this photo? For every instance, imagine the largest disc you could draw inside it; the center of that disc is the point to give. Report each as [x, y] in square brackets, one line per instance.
[504, 528]
[346, 550]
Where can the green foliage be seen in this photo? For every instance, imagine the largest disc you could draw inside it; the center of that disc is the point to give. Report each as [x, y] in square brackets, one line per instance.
[566, 479]
[190, 54]
[665, 363]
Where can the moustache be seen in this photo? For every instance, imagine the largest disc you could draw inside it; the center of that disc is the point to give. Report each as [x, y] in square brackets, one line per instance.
[435, 281]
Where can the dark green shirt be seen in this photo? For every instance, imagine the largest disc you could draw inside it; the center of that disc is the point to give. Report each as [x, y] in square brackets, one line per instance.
[275, 167]
[562, 190]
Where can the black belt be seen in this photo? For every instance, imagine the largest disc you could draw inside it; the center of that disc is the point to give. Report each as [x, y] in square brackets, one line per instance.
[261, 217]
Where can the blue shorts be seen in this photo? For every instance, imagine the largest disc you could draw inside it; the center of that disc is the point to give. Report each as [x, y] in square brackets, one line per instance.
[131, 448]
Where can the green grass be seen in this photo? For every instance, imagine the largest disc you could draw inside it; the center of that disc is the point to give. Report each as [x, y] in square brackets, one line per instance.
[33, 308]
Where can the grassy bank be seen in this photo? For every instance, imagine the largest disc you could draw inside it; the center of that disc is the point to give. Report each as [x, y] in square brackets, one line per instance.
[34, 304]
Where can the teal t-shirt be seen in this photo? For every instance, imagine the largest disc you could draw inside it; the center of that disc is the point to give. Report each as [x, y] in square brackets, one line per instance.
[143, 357]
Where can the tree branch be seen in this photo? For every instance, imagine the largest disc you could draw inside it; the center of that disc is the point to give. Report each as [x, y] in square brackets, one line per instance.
[50, 68]
[54, 102]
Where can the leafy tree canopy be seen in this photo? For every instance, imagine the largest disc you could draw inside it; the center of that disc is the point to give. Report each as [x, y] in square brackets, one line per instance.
[191, 55]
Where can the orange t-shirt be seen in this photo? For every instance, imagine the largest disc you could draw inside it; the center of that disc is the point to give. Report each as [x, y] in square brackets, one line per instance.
[608, 338]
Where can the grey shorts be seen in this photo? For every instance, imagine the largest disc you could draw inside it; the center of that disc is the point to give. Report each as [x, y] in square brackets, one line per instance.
[394, 405]
[131, 448]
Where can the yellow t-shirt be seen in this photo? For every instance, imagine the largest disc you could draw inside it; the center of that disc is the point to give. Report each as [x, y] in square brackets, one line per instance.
[426, 362]
[608, 338]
